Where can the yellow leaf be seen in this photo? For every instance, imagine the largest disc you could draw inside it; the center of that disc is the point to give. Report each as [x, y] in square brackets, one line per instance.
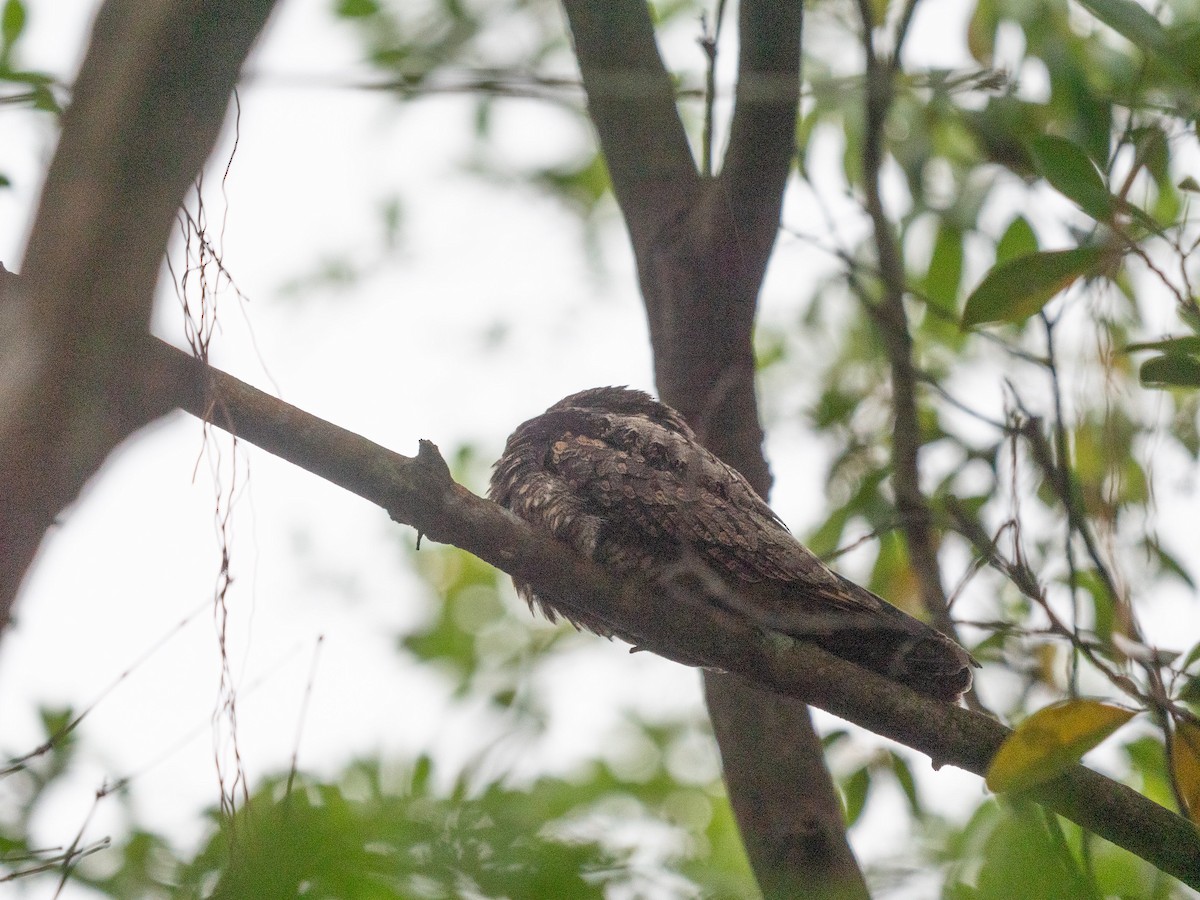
[879, 12]
[1051, 741]
[1047, 657]
[1185, 762]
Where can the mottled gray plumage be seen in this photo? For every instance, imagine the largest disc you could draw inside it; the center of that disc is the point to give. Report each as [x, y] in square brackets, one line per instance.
[622, 479]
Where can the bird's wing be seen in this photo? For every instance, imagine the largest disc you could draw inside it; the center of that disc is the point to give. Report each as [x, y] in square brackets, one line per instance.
[651, 486]
[658, 483]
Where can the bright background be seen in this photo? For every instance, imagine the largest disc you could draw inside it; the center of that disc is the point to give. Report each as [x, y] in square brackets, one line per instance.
[475, 309]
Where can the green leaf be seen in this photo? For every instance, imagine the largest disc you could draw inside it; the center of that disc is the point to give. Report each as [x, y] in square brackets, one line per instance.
[55, 720]
[1190, 658]
[908, 784]
[1148, 760]
[1153, 151]
[1172, 346]
[1172, 50]
[1131, 21]
[1015, 290]
[1170, 565]
[33, 79]
[1190, 692]
[833, 738]
[582, 186]
[1102, 603]
[1014, 853]
[1073, 174]
[834, 407]
[1170, 370]
[981, 32]
[43, 99]
[1018, 240]
[855, 790]
[944, 276]
[1051, 741]
[770, 347]
[357, 9]
[12, 23]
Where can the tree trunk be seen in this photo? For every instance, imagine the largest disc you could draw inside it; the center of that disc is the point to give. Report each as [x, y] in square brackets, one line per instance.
[147, 107]
[701, 246]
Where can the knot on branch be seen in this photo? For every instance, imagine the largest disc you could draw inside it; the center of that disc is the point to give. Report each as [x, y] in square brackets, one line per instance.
[434, 475]
[429, 457]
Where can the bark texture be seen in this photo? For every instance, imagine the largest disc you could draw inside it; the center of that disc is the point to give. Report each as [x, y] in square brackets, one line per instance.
[146, 110]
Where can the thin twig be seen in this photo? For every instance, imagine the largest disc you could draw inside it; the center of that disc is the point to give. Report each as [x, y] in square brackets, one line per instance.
[892, 323]
[1062, 462]
[708, 43]
[312, 676]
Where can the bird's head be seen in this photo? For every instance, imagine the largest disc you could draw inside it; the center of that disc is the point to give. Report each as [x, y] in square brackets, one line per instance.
[626, 402]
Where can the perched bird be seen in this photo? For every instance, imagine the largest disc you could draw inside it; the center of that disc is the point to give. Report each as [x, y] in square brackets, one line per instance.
[622, 479]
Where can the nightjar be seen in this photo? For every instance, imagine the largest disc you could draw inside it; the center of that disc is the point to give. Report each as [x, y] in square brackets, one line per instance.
[623, 479]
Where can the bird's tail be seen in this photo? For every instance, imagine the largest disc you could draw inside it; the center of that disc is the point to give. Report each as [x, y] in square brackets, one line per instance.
[865, 629]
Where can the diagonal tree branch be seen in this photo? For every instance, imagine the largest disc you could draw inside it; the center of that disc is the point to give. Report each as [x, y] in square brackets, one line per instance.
[419, 491]
[148, 105]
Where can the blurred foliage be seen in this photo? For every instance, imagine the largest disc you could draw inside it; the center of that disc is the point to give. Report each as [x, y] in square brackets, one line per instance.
[494, 51]
[28, 88]
[1043, 210]
[1041, 200]
[20, 88]
[1014, 850]
[635, 819]
[381, 832]
[25, 784]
